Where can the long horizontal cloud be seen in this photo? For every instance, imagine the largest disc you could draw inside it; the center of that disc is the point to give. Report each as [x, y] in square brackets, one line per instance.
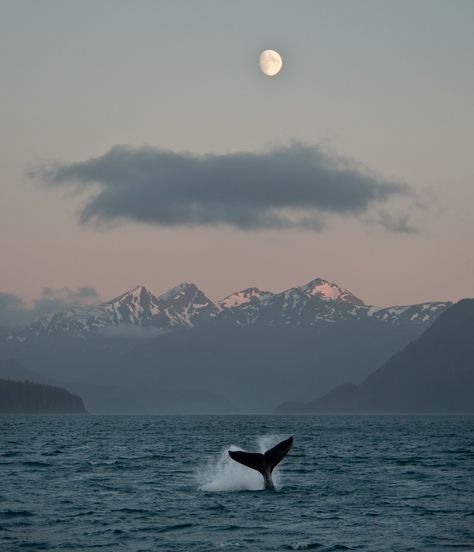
[14, 312]
[287, 187]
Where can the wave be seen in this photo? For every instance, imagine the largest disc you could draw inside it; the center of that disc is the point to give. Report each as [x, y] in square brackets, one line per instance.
[176, 527]
[36, 464]
[15, 513]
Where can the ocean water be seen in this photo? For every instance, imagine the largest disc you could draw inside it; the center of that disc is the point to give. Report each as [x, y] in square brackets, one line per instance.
[148, 483]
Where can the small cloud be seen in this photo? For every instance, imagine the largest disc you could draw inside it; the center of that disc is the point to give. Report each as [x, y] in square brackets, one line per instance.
[55, 300]
[14, 312]
[289, 187]
[396, 223]
[83, 293]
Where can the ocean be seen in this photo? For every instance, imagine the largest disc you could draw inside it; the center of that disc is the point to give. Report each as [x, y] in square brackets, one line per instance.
[148, 483]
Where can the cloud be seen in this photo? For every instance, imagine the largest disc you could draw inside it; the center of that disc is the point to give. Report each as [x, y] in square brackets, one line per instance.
[289, 187]
[55, 300]
[14, 311]
[395, 223]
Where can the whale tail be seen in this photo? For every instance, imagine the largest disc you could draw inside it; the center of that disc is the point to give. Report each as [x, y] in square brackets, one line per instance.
[263, 463]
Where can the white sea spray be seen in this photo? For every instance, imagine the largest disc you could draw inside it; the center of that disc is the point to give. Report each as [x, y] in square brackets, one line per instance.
[224, 474]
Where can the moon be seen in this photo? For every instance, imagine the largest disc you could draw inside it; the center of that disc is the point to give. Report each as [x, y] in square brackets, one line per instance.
[270, 62]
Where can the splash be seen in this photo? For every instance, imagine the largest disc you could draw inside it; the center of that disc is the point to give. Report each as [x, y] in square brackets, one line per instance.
[224, 474]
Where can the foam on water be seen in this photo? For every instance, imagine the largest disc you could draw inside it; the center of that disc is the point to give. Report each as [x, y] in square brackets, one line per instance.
[224, 474]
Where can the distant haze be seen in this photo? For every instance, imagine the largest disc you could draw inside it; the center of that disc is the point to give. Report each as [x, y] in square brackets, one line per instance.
[386, 86]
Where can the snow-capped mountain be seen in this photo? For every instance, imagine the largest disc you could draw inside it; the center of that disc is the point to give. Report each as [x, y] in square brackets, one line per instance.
[328, 291]
[421, 315]
[186, 306]
[323, 301]
[316, 301]
[181, 307]
[250, 295]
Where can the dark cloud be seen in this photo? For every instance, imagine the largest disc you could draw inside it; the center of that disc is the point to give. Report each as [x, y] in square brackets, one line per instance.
[14, 312]
[283, 188]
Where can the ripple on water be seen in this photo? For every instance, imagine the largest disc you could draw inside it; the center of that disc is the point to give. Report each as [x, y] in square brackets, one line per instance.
[36, 464]
[7, 514]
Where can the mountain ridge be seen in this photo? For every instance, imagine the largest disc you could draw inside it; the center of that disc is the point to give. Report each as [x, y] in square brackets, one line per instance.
[186, 306]
[253, 349]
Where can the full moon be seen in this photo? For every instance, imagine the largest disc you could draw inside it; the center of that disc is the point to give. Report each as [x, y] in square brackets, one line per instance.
[270, 62]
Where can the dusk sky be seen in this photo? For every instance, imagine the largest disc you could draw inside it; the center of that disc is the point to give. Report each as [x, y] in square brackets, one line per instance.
[354, 163]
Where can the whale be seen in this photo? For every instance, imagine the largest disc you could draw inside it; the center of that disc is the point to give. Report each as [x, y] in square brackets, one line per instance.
[264, 463]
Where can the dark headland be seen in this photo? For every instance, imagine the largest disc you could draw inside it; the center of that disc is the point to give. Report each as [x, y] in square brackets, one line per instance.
[25, 397]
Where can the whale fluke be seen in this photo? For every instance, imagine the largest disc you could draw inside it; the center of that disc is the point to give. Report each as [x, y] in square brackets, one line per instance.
[263, 463]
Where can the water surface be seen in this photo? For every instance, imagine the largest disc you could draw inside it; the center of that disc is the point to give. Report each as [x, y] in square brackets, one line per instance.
[147, 483]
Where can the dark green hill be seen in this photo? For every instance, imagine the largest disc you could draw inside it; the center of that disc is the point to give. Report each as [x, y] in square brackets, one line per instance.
[435, 373]
[25, 397]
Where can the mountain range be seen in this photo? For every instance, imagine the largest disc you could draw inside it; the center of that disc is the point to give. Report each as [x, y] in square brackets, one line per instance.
[186, 306]
[181, 351]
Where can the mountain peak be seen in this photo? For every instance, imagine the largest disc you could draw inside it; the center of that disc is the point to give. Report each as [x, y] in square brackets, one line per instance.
[328, 291]
[140, 291]
[186, 305]
[243, 297]
[178, 290]
[138, 294]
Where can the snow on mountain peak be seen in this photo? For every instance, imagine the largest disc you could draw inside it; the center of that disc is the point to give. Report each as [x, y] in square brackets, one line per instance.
[327, 291]
[186, 306]
[243, 297]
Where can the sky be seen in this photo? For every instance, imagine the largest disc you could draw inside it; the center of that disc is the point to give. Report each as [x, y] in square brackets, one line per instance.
[141, 144]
